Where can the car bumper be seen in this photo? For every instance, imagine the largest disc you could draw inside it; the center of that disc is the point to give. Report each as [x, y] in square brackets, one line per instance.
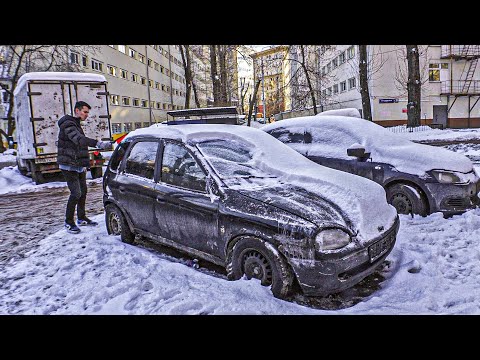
[452, 198]
[323, 277]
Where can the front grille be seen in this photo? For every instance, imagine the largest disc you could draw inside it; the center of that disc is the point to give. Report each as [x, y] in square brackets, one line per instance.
[456, 202]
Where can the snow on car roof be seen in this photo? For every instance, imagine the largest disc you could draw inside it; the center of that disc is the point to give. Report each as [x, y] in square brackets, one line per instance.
[332, 135]
[52, 75]
[351, 112]
[362, 200]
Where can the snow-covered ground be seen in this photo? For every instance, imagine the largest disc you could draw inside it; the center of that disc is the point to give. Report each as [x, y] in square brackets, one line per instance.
[433, 269]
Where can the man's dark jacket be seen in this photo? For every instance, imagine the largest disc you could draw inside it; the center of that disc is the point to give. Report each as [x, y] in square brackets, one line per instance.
[72, 143]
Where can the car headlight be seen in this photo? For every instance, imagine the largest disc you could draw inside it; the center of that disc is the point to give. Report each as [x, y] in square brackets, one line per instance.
[448, 177]
[331, 239]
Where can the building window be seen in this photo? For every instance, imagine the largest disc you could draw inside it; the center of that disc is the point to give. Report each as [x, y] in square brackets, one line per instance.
[335, 89]
[334, 63]
[132, 53]
[164, 106]
[146, 124]
[144, 103]
[134, 77]
[150, 62]
[351, 52]
[138, 125]
[136, 102]
[157, 85]
[343, 86]
[112, 70]
[150, 83]
[156, 66]
[114, 99]
[127, 127]
[141, 58]
[126, 101]
[329, 67]
[73, 58]
[159, 105]
[352, 83]
[122, 48]
[342, 58]
[161, 69]
[84, 61]
[123, 74]
[329, 91]
[116, 128]
[434, 72]
[152, 104]
[97, 65]
[144, 81]
[163, 87]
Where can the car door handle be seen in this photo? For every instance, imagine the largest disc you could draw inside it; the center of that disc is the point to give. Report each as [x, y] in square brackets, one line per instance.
[122, 189]
[161, 200]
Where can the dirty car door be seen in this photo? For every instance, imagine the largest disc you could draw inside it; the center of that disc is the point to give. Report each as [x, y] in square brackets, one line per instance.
[135, 184]
[185, 212]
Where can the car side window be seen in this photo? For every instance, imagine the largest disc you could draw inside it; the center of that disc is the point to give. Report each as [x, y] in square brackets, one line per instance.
[118, 155]
[179, 168]
[288, 136]
[141, 160]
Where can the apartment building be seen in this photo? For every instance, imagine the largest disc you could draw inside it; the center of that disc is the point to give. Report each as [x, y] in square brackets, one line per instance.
[271, 67]
[144, 82]
[449, 74]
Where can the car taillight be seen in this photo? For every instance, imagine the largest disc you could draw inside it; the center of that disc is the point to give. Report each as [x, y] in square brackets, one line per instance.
[96, 153]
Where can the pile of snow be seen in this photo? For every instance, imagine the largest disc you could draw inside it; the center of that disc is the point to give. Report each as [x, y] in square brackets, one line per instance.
[363, 201]
[443, 135]
[332, 135]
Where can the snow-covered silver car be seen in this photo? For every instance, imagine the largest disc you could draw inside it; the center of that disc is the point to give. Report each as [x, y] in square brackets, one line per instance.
[237, 197]
[418, 179]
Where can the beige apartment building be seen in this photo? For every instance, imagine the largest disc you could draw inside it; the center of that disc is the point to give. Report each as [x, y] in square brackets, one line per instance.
[449, 74]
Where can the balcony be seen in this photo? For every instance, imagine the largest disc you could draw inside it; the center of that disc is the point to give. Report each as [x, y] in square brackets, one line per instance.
[457, 52]
[460, 87]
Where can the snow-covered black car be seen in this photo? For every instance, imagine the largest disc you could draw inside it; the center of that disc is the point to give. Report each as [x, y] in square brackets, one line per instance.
[418, 179]
[239, 198]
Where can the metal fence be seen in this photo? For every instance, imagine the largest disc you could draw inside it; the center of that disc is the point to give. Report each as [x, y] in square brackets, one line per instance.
[405, 129]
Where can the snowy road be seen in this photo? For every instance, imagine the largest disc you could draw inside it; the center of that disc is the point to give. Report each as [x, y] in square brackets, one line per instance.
[28, 217]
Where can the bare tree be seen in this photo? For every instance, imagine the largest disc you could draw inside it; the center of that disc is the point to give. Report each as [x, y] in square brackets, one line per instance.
[363, 75]
[253, 101]
[187, 67]
[414, 86]
[21, 59]
[243, 92]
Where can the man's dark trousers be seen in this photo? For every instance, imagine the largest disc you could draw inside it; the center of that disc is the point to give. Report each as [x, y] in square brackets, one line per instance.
[77, 183]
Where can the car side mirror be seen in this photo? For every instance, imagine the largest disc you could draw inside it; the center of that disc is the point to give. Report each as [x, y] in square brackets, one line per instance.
[358, 151]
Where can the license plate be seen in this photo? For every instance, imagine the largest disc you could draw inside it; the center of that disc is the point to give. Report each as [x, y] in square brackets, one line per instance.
[380, 247]
[45, 160]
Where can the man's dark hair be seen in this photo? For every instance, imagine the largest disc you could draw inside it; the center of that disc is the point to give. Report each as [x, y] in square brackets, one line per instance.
[80, 104]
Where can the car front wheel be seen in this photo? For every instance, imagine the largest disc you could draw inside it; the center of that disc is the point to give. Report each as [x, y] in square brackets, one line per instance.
[257, 259]
[407, 199]
[117, 224]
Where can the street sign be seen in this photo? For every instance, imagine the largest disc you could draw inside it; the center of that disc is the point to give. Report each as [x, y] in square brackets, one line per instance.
[387, 101]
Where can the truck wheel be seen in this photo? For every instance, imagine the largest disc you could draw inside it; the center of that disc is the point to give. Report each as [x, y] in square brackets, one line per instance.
[117, 224]
[97, 172]
[254, 258]
[407, 199]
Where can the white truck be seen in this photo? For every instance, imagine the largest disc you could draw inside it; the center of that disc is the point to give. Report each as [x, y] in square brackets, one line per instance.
[41, 99]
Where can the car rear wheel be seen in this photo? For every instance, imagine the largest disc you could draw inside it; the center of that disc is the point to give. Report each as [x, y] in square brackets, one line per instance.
[407, 199]
[117, 224]
[256, 259]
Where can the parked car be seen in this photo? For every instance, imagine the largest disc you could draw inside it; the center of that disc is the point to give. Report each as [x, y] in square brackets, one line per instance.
[236, 197]
[418, 179]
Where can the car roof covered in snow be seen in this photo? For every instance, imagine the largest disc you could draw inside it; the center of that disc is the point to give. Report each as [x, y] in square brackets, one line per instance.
[57, 76]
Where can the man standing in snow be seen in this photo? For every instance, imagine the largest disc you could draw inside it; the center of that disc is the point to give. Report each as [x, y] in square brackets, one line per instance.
[73, 160]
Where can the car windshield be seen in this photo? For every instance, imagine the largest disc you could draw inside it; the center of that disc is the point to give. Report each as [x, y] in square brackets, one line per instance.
[232, 160]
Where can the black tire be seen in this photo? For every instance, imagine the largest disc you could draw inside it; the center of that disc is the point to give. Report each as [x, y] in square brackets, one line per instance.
[97, 172]
[117, 224]
[407, 199]
[251, 257]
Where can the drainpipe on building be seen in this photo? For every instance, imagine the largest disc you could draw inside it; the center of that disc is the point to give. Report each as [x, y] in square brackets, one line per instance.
[170, 75]
[148, 89]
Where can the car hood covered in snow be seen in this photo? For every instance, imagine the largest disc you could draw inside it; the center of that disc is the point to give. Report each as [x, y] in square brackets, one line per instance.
[332, 135]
